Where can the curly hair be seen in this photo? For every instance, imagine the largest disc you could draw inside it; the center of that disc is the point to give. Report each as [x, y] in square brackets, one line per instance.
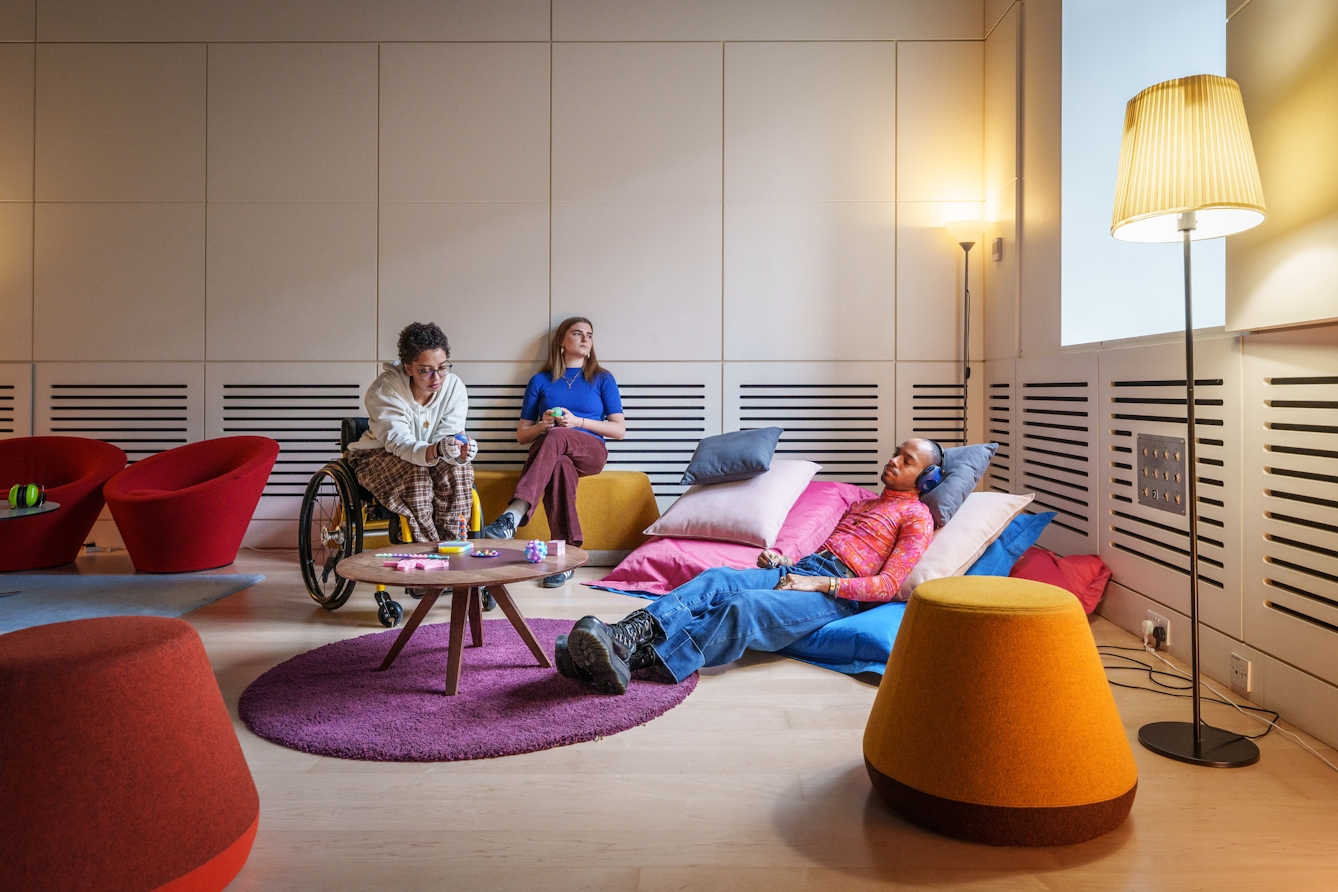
[418, 337]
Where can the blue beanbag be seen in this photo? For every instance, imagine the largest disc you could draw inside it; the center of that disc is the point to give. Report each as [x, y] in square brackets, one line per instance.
[863, 642]
[1017, 537]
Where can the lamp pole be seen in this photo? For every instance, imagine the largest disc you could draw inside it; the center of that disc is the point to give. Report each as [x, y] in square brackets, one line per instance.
[966, 335]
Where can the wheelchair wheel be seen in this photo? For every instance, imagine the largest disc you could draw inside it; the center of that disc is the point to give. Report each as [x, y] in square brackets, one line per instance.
[329, 529]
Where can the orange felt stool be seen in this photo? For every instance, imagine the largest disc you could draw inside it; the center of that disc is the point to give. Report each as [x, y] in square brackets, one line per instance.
[994, 721]
[120, 770]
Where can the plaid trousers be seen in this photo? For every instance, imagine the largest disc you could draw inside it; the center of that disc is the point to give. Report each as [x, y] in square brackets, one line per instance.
[433, 499]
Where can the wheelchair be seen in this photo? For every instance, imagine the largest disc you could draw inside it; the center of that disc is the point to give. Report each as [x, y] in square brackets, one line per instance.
[337, 514]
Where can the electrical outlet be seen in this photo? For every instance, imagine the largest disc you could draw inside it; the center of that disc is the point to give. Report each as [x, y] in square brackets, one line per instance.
[1242, 676]
[1161, 622]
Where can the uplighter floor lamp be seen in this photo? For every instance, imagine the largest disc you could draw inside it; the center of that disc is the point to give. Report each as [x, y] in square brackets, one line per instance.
[965, 233]
[1187, 172]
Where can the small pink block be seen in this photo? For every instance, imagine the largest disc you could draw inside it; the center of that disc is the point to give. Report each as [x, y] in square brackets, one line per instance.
[420, 564]
[557, 546]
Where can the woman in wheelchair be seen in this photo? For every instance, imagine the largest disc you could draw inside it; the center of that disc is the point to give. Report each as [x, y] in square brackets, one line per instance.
[569, 409]
[414, 457]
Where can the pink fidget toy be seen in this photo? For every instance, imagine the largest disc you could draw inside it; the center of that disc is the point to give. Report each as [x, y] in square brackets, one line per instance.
[422, 563]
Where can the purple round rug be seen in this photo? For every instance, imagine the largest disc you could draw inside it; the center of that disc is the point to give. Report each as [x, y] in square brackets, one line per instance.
[328, 701]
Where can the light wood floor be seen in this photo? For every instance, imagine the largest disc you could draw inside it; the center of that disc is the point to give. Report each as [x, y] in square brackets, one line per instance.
[755, 782]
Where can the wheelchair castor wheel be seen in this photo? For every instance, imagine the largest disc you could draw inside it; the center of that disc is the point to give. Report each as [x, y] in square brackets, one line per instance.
[388, 611]
[488, 602]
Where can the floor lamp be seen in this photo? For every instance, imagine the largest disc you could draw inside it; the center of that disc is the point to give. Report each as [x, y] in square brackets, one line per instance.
[965, 233]
[1187, 172]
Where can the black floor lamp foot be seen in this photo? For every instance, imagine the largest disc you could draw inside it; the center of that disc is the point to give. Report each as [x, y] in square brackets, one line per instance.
[1217, 749]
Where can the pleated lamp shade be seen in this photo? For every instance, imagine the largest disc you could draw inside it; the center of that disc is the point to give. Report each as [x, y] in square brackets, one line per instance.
[1186, 148]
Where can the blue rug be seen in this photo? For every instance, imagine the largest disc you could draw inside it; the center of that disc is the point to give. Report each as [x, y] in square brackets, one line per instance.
[56, 597]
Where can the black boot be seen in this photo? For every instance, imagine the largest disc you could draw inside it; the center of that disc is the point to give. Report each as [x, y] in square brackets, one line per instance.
[605, 651]
[562, 659]
[646, 661]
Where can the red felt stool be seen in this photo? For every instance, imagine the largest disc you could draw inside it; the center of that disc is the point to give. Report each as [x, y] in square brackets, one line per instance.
[119, 767]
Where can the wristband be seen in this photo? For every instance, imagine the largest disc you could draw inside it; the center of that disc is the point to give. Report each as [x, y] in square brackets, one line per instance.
[831, 586]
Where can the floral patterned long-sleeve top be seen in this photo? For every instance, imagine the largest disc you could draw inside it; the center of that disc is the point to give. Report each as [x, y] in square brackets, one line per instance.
[881, 540]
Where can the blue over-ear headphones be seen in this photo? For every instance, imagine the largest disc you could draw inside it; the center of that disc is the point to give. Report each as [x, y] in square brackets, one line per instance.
[931, 476]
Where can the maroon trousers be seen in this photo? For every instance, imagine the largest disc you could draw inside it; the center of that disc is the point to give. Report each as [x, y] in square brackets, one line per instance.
[556, 461]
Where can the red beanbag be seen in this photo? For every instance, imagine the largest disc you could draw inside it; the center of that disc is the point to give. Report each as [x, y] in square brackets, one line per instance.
[1083, 574]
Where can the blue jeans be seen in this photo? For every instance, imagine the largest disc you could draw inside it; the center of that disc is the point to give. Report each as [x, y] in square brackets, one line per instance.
[714, 618]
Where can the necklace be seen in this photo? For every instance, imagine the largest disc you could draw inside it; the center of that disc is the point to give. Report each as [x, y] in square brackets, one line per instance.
[572, 380]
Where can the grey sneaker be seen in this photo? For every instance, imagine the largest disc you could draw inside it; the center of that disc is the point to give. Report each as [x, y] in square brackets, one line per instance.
[503, 527]
[558, 580]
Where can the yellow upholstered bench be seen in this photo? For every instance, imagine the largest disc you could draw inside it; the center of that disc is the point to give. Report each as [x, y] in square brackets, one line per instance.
[614, 506]
[994, 721]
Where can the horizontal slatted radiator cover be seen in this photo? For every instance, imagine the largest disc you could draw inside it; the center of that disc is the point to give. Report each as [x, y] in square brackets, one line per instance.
[1157, 406]
[304, 419]
[938, 413]
[834, 425]
[1058, 436]
[1300, 499]
[1001, 426]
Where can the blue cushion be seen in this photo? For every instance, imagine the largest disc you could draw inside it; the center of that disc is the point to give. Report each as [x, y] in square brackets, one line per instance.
[737, 455]
[859, 643]
[963, 466]
[1016, 538]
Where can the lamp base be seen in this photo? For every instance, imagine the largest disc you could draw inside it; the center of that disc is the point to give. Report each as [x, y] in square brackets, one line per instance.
[1220, 749]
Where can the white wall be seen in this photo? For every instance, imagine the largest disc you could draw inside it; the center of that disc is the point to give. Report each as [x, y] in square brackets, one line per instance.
[235, 202]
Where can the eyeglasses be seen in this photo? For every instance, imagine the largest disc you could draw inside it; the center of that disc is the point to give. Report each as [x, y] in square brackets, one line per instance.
[428, 372]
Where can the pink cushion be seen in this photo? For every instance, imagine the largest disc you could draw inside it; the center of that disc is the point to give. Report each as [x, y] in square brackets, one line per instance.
[661, 565]
[749, 512]
[1083, 574]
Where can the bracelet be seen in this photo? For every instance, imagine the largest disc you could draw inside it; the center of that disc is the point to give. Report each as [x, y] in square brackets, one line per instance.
[831, 586]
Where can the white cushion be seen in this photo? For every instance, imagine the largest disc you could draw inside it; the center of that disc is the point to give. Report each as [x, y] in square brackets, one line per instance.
[980, 520]
[749, 512]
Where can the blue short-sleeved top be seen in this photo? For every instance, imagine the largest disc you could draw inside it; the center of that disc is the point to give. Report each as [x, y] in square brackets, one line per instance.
[572, 392]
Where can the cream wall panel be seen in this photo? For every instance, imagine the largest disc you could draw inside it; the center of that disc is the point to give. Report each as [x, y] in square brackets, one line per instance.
[1041, 85]
[16, 121]
[841, 415]
[292, 281]
[1141, 392]
[812, 121]
[1002, 53]
[1058, 411]
[464, 122]
[17, 18]
[292, 122]
[763, 20]
[940, 117]
[119, 281]
[930, 269]
[16, 406]
[646, 273]
[478, 269]
[929, 402]
[1000, 276]
[807, 280]
[637, 121]
[277, 20]
[16, 281]
[121, 123]
[994, 11]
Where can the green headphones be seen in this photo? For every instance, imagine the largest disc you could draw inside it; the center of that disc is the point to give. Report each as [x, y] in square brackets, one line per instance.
[26, 495]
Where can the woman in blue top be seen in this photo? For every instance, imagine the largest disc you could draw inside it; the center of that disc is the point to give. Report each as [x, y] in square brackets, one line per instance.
[569, 409]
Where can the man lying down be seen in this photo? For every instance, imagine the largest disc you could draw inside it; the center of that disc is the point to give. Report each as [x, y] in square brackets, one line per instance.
[714, 618]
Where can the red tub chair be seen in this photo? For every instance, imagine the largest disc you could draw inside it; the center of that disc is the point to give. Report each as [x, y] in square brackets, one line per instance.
[187, 509]
[73, 470]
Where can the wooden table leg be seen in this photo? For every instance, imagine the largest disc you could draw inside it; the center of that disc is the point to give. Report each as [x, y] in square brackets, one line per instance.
[459, 608]
[429, 598]
[476, 615]
[503, 599]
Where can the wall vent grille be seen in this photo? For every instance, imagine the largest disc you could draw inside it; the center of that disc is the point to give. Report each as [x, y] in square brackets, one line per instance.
[999, 428]
[303, 418]
[1057, 438]
[8, 409]
[834, 425]
[1300, 473]
[1157, 406]
[937, 413]
[141, 418]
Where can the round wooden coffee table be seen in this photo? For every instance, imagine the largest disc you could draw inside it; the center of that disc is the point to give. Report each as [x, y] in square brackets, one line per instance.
[467, 575]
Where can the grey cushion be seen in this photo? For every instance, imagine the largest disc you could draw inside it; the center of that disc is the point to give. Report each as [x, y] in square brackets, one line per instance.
[963, 466]
[737, 455]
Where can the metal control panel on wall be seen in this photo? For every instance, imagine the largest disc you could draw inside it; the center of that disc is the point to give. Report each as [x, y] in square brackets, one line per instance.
[1161, 472]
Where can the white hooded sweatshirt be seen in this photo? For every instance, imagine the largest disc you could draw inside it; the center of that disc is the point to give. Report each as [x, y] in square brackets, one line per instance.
[399, 425]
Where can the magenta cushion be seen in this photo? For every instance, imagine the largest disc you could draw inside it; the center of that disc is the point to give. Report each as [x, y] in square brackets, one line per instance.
[661, 565]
